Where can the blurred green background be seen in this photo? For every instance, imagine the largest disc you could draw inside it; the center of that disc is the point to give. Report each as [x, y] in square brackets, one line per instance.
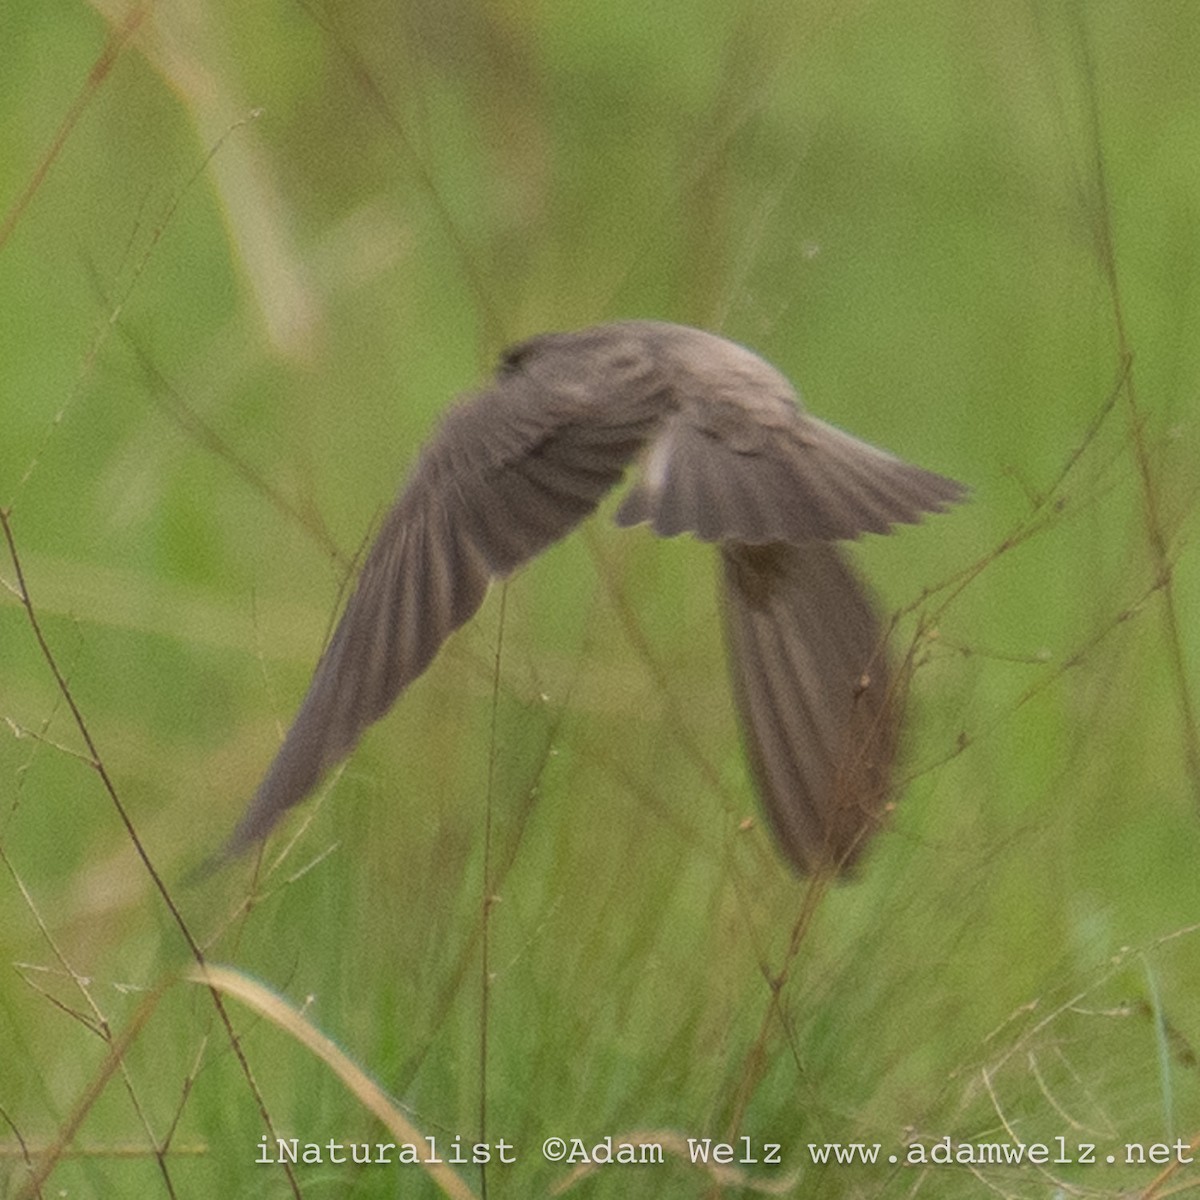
[249, 253]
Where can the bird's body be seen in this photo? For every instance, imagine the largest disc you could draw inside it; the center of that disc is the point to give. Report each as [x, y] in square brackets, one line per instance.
[728, 456]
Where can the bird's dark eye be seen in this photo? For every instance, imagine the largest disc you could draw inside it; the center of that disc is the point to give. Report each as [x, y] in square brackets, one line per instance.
[513, 358]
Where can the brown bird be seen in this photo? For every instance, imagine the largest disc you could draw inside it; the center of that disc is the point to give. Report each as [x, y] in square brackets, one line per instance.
[728, 456]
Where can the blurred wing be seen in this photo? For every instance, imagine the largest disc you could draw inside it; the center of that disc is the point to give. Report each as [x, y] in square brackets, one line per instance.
[791, 479]
[811, 685]
[507, 474]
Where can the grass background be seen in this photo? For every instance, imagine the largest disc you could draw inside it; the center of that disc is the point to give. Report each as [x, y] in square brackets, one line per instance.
[249, 254]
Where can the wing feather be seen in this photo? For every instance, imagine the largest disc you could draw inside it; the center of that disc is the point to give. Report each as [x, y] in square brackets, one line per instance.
[796, 481]
[811, 687]
[508, 473]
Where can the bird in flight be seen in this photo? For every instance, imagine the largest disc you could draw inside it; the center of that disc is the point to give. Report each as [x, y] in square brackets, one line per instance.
[727, 455]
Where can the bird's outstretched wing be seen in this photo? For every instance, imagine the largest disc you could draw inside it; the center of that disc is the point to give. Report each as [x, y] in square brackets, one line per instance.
[736, 462]
[810, 679]
[508, 473]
